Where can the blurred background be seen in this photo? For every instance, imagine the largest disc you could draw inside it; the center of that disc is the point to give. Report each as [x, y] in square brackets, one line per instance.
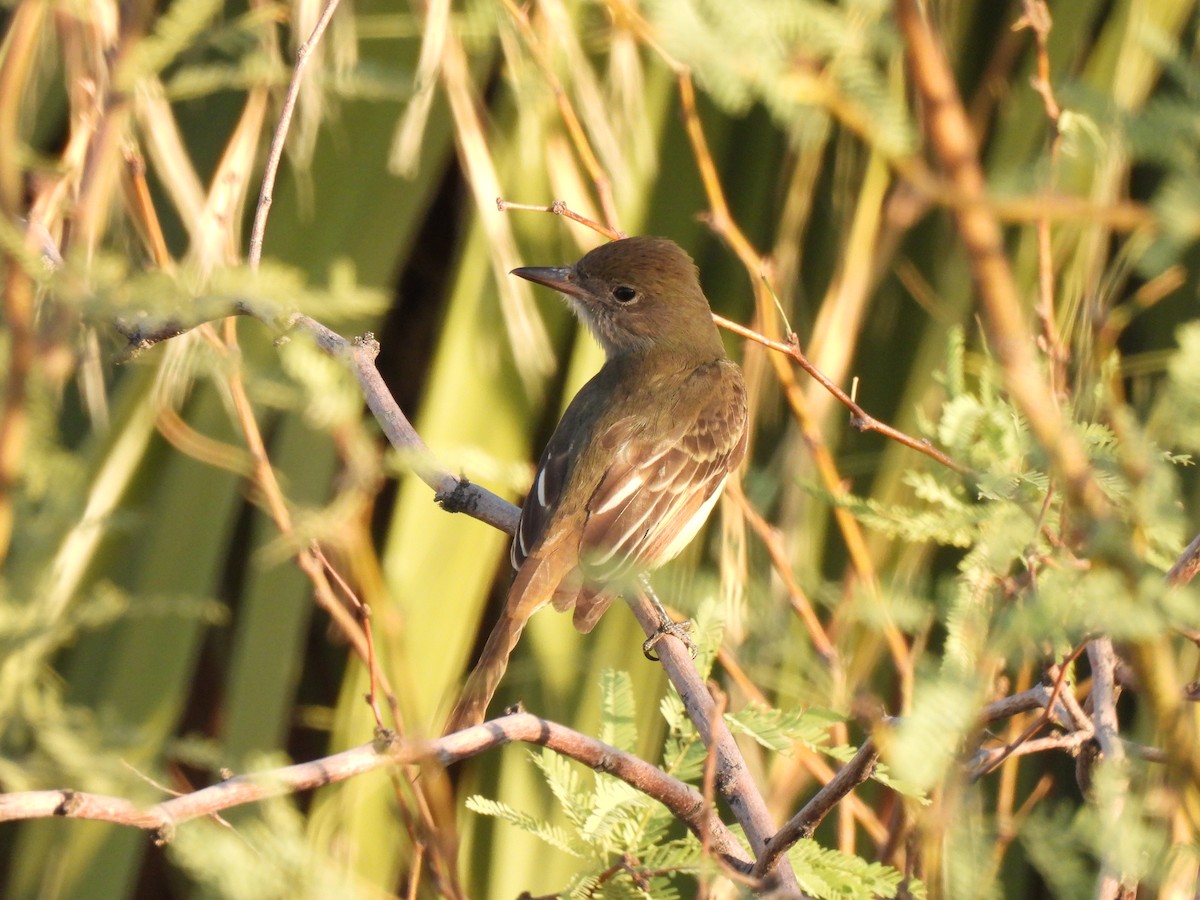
[155, 630]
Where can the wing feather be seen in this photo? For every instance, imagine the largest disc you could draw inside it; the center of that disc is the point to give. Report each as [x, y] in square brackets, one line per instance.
[677, 468]
[655, 482]
[542, 501]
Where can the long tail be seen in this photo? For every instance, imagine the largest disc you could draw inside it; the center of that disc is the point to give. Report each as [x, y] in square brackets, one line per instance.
[481, 685]
[533, 587]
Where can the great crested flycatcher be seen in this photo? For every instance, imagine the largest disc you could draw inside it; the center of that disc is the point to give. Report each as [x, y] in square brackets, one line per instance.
[640, 456]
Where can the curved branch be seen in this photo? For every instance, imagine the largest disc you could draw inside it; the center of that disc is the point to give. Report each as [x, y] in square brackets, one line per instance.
[388, 750]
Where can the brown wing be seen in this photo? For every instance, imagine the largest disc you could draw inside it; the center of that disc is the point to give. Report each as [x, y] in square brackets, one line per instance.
[557, 466]
[654, 483]
[663, 478]
[542, 499]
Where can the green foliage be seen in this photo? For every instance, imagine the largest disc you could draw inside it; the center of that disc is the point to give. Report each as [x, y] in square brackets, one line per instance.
[1176, 419]
[108, 290]
[779, 730]
[926, 742]
[1064, 842]
[555, 837]
[1002, 519]
[618, 833]
[1020, 596]
[745, 53]
[622, 837]
[1162, 134]
[828, 874]
[1053, 846]
[617, 724]
[265, 856]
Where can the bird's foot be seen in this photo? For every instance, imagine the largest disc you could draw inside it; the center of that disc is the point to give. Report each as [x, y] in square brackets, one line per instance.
[678, 630]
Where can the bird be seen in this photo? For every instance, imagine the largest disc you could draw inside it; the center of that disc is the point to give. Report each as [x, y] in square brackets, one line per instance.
[641, 453]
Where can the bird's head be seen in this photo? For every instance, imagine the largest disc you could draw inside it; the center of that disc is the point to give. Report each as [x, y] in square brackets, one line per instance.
[636, 294]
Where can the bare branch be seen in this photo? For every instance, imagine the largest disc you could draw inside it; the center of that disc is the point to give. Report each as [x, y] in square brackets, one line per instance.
[860, 419]
[560, 208]
[1187, 565]
[280, 137]
[1035, 698]
[734, 780]
[453, 493]
[804, 823]
[1074, 718]
[388, 751]
[1104, 711]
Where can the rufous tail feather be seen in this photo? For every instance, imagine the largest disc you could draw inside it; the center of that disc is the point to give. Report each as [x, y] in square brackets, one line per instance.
[533, 587]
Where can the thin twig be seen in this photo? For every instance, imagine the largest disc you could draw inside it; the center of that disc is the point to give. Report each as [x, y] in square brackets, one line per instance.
[351, 626]
[931, 187]
[560, 208]
[141, 205]
[773, 541]
[804, 823]
[1046, 715]
[988, 760]
[708, 783]
[363, 614]
[1036, 17]
[860, 419]
[279, 138]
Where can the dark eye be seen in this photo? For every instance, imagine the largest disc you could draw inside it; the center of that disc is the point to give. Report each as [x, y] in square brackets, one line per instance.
[624, 294]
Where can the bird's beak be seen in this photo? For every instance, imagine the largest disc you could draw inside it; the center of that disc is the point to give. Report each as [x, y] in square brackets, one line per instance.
[560, 278]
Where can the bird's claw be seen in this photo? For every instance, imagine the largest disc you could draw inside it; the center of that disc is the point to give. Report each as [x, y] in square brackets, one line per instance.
[678, 630]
